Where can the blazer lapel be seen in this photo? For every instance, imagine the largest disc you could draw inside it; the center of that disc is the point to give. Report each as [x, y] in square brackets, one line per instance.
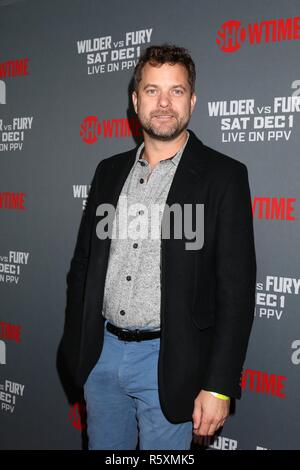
[117, 177]
[188, 174]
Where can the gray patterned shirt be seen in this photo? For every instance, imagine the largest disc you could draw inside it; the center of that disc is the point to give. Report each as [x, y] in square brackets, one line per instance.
[132, 287]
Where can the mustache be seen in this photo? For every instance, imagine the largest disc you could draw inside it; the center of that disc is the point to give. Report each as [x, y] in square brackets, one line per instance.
[163, 113]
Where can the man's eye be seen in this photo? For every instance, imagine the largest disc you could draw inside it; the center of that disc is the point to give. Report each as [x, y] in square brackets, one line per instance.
[178, 91]
[151, 91]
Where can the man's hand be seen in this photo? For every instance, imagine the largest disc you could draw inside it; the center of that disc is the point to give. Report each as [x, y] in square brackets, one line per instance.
[209, 413]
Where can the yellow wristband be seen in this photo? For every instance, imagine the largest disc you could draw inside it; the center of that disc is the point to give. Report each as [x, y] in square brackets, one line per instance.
[218, 395]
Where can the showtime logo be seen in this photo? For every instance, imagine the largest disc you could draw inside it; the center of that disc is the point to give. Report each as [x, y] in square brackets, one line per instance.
[264, 383]
[231, 33]
[92, 128]
[14, 68]
[10, 200]
[273, 208]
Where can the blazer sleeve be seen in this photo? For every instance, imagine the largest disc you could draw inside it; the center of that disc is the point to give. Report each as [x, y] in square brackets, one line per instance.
[235, 268]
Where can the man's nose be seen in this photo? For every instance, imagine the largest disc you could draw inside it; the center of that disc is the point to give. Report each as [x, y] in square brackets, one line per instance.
[164, 100]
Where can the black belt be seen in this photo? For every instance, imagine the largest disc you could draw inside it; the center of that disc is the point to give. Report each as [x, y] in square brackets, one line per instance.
[132, 335]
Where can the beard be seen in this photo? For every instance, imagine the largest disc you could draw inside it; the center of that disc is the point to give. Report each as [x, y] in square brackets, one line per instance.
[165, 131]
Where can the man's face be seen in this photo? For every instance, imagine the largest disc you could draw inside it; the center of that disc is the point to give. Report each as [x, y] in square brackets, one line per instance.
[163, 102]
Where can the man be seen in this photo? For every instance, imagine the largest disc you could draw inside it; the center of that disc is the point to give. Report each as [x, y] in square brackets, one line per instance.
[157, 328]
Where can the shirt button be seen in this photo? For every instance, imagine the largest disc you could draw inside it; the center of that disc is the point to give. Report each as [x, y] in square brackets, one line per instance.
[143, 163]
[122, 312]
[128, 278]
[135, 245]
[141, 212]
[141, 180]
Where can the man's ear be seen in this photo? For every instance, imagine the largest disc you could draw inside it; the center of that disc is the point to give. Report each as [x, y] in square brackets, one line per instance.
[193, 101]
[134, 100]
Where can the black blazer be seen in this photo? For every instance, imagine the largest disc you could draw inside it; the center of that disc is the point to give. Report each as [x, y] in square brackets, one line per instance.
[207, 295]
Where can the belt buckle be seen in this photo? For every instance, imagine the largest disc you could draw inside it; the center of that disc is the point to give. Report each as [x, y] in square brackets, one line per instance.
[122, 335]
[137, 335]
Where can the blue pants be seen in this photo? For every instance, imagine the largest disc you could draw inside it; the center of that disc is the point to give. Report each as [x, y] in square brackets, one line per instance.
[121, 395]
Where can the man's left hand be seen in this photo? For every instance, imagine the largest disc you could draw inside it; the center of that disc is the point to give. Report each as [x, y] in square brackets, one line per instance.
[209, 413]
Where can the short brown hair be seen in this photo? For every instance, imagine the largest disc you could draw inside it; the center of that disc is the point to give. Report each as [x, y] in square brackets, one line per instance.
[166, 53]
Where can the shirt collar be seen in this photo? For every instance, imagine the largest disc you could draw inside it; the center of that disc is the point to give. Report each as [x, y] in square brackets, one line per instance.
[175, 159]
